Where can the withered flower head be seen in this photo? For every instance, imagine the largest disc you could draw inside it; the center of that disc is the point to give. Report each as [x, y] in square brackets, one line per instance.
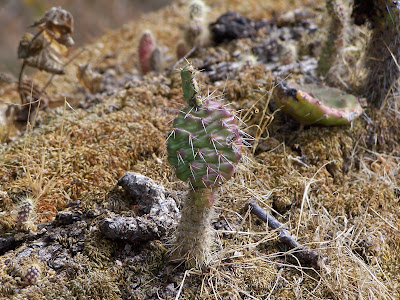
[28, 47]
[59, 24]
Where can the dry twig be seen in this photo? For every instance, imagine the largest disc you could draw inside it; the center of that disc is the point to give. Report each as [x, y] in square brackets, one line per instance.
[302, 253]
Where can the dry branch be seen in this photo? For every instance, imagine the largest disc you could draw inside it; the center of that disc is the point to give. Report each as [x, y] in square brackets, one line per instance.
[302, 253]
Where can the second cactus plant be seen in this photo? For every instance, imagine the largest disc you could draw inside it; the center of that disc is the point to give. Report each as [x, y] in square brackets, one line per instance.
[316, 104]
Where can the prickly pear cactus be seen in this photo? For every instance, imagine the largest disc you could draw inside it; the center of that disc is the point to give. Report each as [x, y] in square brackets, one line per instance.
[204, 144]
[313, 104]
[196, 32]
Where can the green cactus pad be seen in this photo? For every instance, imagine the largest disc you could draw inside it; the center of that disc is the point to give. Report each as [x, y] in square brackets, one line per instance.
[204, 145]
[313, 104]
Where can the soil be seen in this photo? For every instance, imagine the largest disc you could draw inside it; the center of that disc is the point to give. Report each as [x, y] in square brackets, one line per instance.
[335, 188]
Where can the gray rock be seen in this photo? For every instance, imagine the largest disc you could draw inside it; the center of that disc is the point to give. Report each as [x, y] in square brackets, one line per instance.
[160, 213]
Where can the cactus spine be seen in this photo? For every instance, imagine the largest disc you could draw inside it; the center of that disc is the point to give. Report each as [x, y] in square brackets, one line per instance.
[204, 146]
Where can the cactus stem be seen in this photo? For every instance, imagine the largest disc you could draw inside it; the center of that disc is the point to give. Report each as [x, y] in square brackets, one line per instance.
[193, 236]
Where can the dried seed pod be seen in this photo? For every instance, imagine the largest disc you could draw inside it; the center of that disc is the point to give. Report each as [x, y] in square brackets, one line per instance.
[32, 274]
[59, 24]
[44, 51]
[48, 59]
[31, 94]
[28, 47]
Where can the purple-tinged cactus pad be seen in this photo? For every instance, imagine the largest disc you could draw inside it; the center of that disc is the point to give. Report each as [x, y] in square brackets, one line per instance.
[204, 145]
[316, 104]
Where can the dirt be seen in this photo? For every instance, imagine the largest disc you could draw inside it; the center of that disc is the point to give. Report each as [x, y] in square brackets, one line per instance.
[335, 188]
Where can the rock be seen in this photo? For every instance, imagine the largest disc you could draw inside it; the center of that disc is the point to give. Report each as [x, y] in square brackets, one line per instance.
[232, 25]
[160, 212]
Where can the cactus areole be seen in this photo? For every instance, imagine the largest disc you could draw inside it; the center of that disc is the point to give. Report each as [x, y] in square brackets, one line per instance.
[313, 104]
[204, 145]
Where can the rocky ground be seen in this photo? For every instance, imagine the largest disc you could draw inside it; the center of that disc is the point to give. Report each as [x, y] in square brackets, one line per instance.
[97, 232]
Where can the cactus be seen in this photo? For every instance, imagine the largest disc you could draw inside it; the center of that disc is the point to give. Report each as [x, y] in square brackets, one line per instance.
[149, 53]
[383, 50]
[204, 146]
[313, 104]
[32, 274]
[196, 32]
[24, 211]
[337, 34]
[25, 214]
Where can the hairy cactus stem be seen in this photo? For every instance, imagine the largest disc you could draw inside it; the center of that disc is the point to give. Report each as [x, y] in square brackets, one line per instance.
[383, 50]
[196, 33]
[333, 46]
